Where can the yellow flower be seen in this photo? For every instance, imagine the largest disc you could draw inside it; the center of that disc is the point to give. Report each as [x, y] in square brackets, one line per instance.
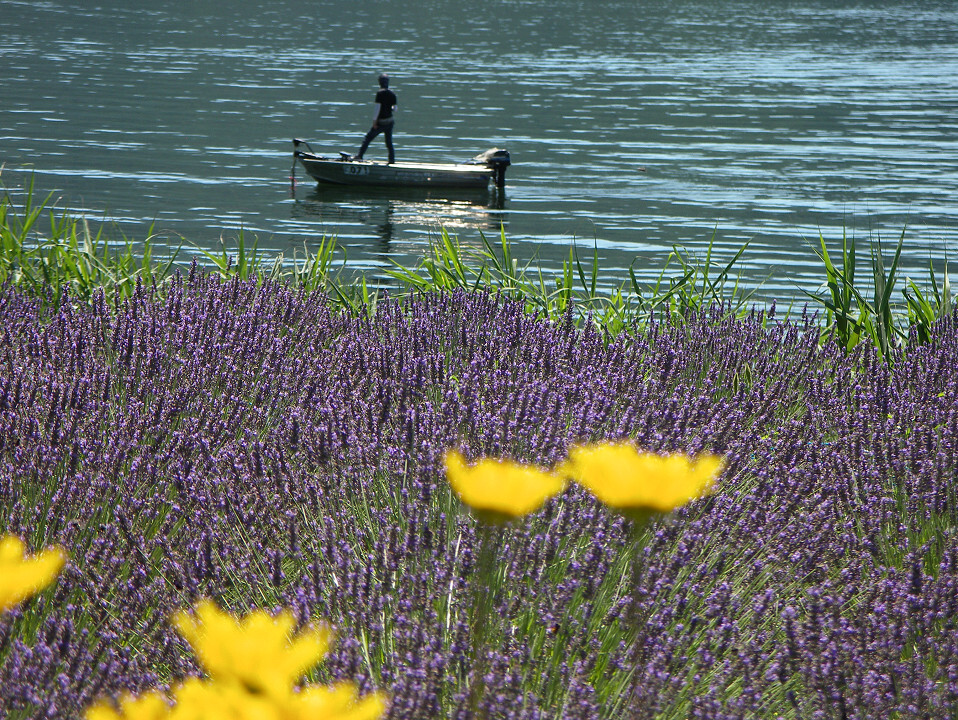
[21, 576]
[149, 706]
[257, 651]
[253, 663]
[637, 483]
[338, 702]
[499, 490]
[198, 699]
[211, 700]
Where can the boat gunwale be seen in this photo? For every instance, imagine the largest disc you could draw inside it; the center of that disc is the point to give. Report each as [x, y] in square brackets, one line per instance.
[322, 169]
[466, 168]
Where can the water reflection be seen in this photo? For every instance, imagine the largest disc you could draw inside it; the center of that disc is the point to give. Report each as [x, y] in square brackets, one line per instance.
[388, 211]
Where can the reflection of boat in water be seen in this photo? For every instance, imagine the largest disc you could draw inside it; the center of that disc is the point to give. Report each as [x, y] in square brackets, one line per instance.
[394, 213]
[476, 173]
[477, 197]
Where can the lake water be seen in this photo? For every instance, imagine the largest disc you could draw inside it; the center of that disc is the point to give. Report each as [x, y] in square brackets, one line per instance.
[633, 126]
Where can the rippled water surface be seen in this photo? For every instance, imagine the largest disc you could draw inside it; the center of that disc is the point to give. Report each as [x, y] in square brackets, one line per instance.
[633, 126]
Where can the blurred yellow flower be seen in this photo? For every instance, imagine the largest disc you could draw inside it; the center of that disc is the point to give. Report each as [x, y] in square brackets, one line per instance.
[22, 576]
[499, 490]
[337, 702]
[210, 700]
[198, 699]
[254, 663]
[149, 706]
[639, 483]
[257, 651]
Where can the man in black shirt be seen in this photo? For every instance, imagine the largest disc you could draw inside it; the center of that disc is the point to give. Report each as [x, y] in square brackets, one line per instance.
[383, 121]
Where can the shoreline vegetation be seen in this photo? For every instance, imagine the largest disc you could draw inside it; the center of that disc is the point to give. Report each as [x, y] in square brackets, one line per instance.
[55, 254]
[269, 441]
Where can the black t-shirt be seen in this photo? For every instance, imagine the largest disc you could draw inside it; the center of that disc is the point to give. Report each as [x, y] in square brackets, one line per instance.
[386, 99]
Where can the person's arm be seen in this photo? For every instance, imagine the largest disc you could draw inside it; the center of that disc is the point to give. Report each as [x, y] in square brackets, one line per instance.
[376, 115]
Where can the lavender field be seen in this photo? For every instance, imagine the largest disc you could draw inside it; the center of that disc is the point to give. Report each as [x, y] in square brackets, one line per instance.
[254, 444]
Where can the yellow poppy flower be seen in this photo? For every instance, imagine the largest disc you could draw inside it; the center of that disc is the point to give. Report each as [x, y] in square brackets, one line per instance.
[337, 702]
[149, 706]
[499, 490]
[638, 483]
[257, 651]
[21, 576]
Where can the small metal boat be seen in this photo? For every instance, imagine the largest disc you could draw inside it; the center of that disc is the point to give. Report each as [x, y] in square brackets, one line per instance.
[345, 170]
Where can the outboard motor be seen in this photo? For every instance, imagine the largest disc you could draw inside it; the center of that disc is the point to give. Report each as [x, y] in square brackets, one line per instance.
[498, 160]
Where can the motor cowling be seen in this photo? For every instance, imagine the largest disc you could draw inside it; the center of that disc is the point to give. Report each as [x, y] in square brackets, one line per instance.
[498, 160]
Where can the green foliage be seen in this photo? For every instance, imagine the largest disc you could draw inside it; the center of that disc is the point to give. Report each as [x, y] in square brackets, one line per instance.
[694, 288]
[924, 311]
[851, 317]
[310, 271]
[65, 257]
[576, 289]
[62, 257]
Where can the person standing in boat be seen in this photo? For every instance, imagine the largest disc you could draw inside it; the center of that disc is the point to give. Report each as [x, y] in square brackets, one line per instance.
[383, 120]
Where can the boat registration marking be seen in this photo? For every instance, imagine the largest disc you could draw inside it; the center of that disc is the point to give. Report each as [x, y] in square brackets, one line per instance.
[355, 170]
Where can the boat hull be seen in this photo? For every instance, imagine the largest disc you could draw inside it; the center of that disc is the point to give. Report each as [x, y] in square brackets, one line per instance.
[401, 174]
